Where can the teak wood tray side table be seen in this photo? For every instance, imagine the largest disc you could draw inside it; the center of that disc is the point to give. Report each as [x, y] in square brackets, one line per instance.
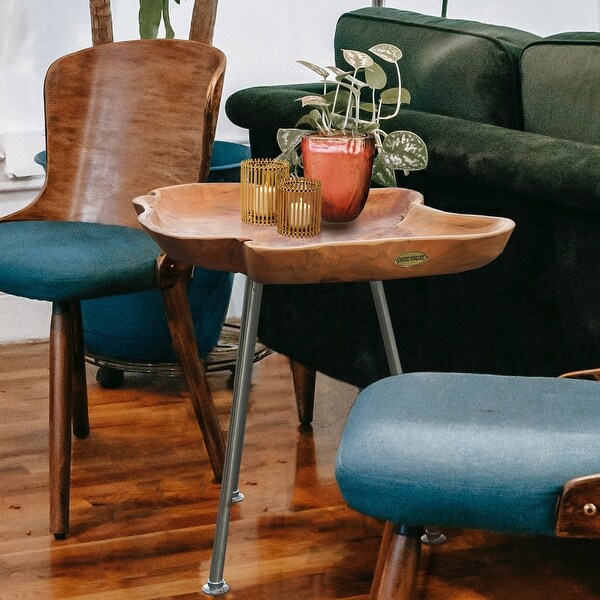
[396, 236]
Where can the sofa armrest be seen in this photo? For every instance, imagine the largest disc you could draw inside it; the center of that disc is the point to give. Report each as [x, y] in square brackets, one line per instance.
[269, 107]
[539, 166]
[510, 160]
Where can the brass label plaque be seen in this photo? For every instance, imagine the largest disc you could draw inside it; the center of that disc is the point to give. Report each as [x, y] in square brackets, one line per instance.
[414, 258]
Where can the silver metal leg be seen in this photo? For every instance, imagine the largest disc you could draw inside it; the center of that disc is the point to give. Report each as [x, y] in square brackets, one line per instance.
[385, 325]
[432, 534]
[216, 585]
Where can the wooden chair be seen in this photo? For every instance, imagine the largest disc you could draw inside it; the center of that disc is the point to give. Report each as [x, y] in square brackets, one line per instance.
[121, 119]
[511, 454]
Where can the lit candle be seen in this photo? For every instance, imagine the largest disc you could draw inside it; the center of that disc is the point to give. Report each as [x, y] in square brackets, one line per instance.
[264, 201]
[300, 214]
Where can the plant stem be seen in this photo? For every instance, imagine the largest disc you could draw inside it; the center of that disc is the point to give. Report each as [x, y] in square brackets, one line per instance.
[399, 102]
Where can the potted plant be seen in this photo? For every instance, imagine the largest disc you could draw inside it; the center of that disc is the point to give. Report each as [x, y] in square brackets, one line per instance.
[150, 15]
[348, 146]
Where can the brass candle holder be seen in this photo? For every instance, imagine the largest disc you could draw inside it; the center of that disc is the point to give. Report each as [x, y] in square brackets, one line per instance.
[258, 179]
[299, 207]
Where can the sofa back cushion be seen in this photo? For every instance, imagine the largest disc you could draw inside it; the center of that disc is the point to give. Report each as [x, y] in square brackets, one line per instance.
[455, 68]
[561, 87]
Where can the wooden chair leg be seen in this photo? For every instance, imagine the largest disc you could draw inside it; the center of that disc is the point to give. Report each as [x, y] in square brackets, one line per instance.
[181, 325]
[81, 421]
[304, 388]
[61, 330]
[397, 565]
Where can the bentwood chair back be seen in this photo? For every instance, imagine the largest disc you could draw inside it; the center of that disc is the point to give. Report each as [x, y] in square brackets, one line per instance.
[121, 119]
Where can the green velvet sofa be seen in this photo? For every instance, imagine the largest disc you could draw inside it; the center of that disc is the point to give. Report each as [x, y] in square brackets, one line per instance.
[512, 123]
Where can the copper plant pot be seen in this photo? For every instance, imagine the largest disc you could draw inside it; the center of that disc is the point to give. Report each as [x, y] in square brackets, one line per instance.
[344, 165]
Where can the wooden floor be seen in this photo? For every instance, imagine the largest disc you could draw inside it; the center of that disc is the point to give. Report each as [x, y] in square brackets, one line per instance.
[143, 505]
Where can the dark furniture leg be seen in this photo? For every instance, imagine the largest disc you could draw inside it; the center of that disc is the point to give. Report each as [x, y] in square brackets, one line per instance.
[61, 352]
[304, 388]
[81, 421]
[397, 564]
[181, 326]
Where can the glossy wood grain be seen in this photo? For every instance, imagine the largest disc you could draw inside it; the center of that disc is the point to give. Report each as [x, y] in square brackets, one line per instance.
[200, 224]
[98, 156]
[143, 504]
[119, 119]
[578, 510]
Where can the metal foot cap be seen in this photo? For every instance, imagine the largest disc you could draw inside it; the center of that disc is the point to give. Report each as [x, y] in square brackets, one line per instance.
[433, 537]
[215, 588]
[237, 496]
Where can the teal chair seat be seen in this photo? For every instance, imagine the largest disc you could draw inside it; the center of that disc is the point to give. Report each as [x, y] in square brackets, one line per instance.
[121, 119]
[110, 259]
[116, 328]
[510, 454]
[470, 451]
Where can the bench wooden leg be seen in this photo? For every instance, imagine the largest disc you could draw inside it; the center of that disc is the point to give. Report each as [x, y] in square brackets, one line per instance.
[397, 564]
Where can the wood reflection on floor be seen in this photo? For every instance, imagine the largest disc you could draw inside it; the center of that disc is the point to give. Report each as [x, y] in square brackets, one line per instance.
[143, 504]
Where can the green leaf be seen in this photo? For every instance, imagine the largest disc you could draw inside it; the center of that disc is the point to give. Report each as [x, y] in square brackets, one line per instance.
[313, 119]
[404, 150]
[337, 121]
[288, 139]
[314, 100]
[149, 18]
[357, 59]
[383, 175]
[293, 157]
[169, 33]
[318, 70]
[150, 15]
[387, 52]
[357, 83]
[375, 77]
[342, 97]
[390, 96]
[339, 72]
[366, 127]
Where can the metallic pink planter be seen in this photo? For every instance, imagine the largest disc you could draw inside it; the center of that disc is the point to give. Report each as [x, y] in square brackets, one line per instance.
[344, 165]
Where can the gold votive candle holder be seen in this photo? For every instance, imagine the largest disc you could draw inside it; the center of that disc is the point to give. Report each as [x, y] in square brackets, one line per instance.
[258, 184]
[299, 207]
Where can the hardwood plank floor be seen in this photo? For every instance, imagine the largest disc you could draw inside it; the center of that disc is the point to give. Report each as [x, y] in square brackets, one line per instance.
[143, 504]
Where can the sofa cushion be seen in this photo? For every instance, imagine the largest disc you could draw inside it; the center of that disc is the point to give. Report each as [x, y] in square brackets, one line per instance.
[561, 87]
[438, 67]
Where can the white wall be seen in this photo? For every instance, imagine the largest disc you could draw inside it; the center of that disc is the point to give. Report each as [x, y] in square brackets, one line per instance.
[262, 40]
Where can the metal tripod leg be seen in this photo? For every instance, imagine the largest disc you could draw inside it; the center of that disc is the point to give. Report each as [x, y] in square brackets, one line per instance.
[432, 534]
[216, 585]
[385, 325]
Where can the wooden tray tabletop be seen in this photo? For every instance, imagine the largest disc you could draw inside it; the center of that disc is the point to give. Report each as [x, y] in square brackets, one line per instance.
[395, 236]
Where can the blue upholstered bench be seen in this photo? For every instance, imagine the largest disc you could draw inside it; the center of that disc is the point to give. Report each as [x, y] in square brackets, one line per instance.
[471, 451]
